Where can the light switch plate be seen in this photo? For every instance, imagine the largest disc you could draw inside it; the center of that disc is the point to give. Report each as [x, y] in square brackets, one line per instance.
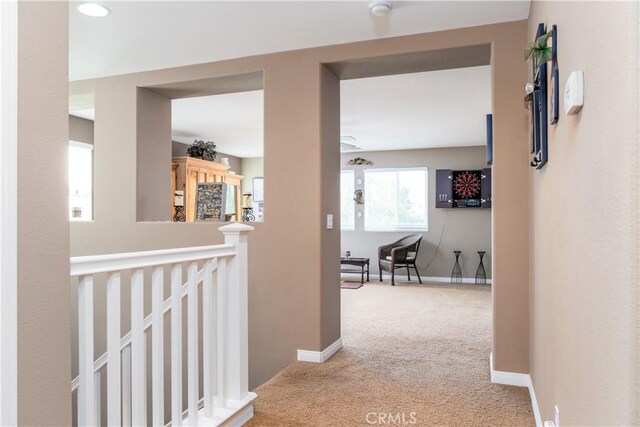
[329, 221]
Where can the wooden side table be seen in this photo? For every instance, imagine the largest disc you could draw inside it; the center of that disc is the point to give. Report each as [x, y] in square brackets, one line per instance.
[359, 262]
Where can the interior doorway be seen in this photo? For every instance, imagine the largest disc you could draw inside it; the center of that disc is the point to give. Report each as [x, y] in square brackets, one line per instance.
[403, 124]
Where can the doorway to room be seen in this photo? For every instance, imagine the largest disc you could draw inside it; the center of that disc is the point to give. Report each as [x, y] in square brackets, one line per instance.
[402, 138]
[402, 133]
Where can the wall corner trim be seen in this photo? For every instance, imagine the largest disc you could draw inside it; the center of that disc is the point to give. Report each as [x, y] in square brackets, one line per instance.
[320, 356]
[519, 380]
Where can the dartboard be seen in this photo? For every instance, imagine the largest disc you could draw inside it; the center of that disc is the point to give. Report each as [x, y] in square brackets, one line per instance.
[466, 184]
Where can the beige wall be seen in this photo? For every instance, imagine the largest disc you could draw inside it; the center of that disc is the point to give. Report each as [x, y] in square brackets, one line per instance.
[251, 168]
[80, 130]
[584, 224]
[294, 270]
[468, 230]
[44, 349]
[153, 156]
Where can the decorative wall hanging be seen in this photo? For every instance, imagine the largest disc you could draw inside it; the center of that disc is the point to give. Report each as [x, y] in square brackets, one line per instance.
[489, 139]
[359, 162]
[463, 188]
[358, 197]
[205, 150]
[210, 201]
[258, 189]
[539, 53]
[555, 82]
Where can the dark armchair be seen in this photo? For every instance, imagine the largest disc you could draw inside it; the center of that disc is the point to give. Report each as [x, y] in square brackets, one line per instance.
[400, 254]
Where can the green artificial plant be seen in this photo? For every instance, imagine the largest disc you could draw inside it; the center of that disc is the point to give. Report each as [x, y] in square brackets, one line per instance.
[538, 50]
[202, 150]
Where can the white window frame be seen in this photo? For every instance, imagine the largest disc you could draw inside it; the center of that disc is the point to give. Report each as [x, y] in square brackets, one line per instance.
[353, 176]
[398, 229]
[8, 212]
[84, 145]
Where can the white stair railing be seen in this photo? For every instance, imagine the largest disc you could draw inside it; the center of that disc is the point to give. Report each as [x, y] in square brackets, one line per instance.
[225, 397]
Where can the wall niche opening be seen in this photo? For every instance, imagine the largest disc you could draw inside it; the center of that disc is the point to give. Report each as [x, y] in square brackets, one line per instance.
[200, 150]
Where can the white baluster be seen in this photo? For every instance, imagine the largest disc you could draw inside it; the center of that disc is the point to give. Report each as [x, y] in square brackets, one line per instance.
[126, 386]
[237, 326]
[86, 388]
[157, 378]
[192, 343]
[138, 359]
[221, 340]
[208, 339]
[113, 350]
[96, 398]
[176, 345]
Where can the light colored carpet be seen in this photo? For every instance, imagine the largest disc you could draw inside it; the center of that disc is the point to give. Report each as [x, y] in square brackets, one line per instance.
[418, 350]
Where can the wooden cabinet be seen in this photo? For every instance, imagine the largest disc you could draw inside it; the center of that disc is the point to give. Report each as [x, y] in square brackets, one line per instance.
[187, 172]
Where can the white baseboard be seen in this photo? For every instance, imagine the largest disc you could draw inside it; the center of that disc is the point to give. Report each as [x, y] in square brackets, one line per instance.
[240, 418]
[414, 278]
[320, 356]
[519, 380]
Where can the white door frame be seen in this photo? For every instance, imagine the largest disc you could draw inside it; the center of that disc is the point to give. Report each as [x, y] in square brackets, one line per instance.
[8, 212]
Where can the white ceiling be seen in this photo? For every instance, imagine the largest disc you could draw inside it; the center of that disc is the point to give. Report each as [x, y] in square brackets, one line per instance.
[233, 121]
[423, 110]
[146, 35]
[434, 109]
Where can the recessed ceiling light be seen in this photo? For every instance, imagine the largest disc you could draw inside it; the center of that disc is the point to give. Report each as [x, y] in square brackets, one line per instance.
[94, 10]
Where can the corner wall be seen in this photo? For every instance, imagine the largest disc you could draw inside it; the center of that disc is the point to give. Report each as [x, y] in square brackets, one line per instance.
[44, 312]
[584, 224]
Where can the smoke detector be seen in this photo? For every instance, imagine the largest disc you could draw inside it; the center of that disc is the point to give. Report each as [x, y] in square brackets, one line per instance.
[380, 8]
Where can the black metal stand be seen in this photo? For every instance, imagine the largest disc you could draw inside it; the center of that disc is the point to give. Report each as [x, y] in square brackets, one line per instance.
[481, 274]
[179, 215]
[247, 215]
[456, 274]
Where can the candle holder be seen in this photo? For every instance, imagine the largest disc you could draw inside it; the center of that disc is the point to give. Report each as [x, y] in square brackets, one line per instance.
[247, 215]
[456, 274]
[481, 274]
[179, 216]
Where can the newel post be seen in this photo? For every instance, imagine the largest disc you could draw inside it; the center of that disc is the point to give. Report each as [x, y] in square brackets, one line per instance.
[236, 357]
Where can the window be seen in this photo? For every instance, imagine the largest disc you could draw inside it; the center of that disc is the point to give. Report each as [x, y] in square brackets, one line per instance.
[80, 181]
[347, 208]
[395, 199]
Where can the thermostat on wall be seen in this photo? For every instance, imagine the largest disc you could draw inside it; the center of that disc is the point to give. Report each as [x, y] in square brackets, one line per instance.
[574, 93]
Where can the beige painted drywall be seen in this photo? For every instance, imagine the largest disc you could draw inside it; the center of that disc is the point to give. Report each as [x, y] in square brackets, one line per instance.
[294, 270]
[468, 230]
[584, 224]
[44, 313]
[153, 156]
[80, 130]
[329, 205]
[252, 167]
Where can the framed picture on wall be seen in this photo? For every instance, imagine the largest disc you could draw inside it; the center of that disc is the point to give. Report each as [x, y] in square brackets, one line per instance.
[258, 189]
[210, 201]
